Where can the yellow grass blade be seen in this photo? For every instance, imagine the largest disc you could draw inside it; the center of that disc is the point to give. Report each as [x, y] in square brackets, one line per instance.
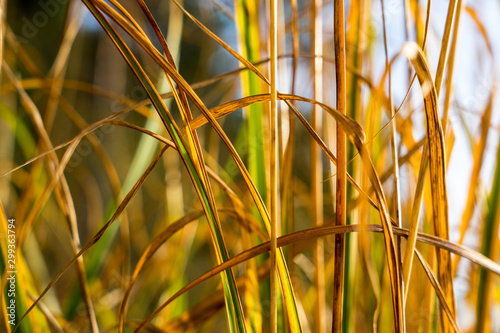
[308, 234]
[317, 166]
[274, 162]
[437, 164]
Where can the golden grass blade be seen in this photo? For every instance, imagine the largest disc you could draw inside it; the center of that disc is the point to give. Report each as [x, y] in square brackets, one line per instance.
[51, 319]
[154, 246]
[437, 165]
[128, 16]
[439, 292]
[341, 189]
[205, 309]
[445, 42]
[58, 70]
[288, 182]
[357, 136]
[357, 44]
[219, 169]
[394, 148]
[218, 111]
[274, 162]
[192, 161]
[415, 218]
[213, 36]
[285, 279]
[409, 252]
[310, 234]
[101, 231]
[148, 253]
[450, 64]
[317, 165]
[58, 182]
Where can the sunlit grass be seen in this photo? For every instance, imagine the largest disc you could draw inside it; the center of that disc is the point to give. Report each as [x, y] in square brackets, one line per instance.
[241, 166]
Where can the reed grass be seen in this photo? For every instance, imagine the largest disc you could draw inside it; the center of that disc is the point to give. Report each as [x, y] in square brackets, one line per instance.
[249, 166]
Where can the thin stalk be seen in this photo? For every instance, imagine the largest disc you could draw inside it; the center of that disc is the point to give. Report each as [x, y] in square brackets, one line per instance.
[394, 147]
[445, 43]
[316, 164]
[288, 156]
[274, 161]
[450, 64]
[340, 201]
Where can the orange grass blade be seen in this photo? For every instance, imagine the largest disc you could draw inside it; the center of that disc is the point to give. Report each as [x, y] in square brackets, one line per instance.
[437, 164]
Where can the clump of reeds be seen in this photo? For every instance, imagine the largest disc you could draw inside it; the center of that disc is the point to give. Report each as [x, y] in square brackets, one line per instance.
[291, 175]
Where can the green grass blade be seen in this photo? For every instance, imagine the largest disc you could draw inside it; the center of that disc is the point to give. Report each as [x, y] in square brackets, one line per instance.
[249, 40]
[235, 314]
[282, 267]
[489, 248]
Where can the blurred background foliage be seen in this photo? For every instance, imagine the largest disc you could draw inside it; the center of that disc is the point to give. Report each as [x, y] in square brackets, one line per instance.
[74, 77]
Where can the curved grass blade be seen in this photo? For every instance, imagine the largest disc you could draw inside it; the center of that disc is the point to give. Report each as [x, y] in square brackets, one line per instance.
[442, 300]
[234, 310]
[437, 164]
[63, 195]
[357, 136]
[282, 267]
[199, 164]
[101, 231]
[148, 253]
[309, 234]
